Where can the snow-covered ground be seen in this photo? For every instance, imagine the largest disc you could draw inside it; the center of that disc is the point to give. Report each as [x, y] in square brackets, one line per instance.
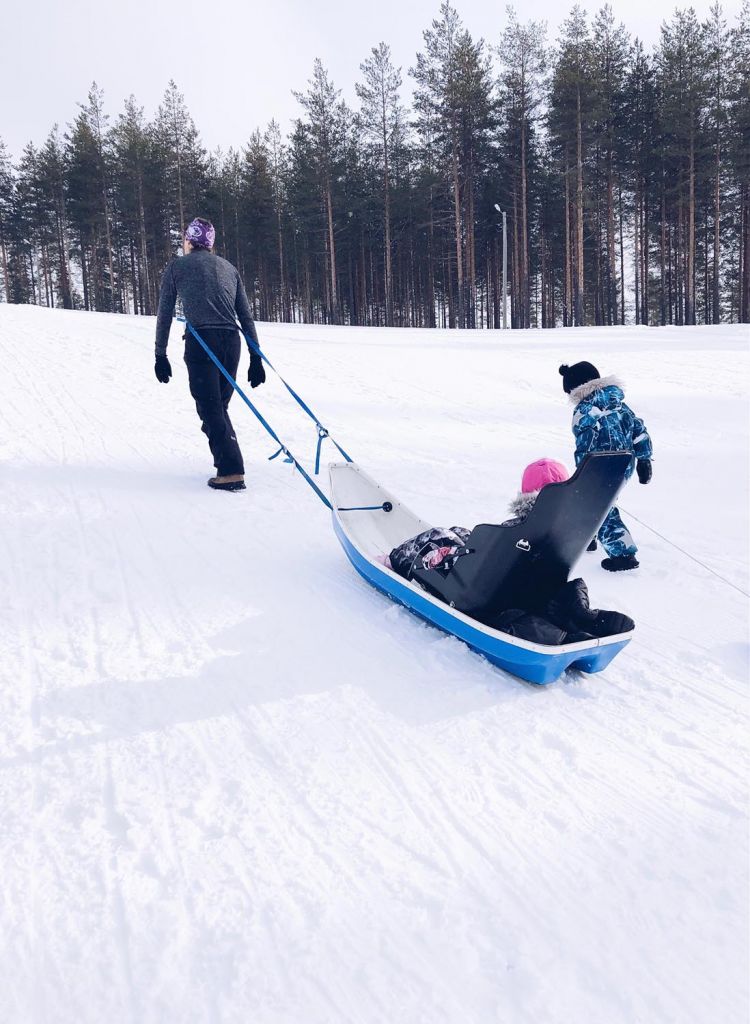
[238, 785]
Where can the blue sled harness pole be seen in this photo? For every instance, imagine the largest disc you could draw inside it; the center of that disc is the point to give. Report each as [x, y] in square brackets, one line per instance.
[369, 522]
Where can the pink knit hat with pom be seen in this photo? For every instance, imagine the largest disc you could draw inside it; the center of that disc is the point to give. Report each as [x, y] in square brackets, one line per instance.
[541, 473]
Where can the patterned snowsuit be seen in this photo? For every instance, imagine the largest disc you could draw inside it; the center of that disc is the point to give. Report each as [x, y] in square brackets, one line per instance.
[602, 422]
[437, 548]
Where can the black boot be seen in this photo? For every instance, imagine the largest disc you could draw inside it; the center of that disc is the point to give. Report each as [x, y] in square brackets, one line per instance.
[592, 545]
[569, 608]
[611, 623]
[620, 563]
[227, 483]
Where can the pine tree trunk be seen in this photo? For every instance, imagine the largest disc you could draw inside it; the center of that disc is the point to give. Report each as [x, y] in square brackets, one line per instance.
[33, 278]
[645, 287]
[745, 243]
[62, 249]
[717, 238]
[707, 301]
[327, 305]
[236, 234]
[568, 282]
[636, 249]
[543, 271]
[449, 297]
[579, 297]
[122, 277]
[332, 253]
[84, 275]
[471, 256]
[179, 190]
[150, 298]
[431, 311]
[690, 260]
[387, 219]
[740, 259]
[285, 314]
[137, 296]
[110, 263]
[457, 229]
[294, 292]
[600, 303]
[496, 319]
[663, 257]
[352, 290]
[612, 261]
[524, 295]
[516, 303]
[364, 316]
[670, 274]
[46, 277]
[622, 255]
[309, 313]
[6, 277]
[681, 265]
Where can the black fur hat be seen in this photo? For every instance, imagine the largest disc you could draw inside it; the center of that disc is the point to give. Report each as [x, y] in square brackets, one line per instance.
[577, 374]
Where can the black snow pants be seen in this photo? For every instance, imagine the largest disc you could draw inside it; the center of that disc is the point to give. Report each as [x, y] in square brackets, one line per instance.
[212, 391]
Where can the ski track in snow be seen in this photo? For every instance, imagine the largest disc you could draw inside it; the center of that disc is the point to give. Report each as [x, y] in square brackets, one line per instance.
[237, 784]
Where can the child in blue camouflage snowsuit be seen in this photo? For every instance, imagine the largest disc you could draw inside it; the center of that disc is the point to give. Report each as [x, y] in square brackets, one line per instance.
[602, 422]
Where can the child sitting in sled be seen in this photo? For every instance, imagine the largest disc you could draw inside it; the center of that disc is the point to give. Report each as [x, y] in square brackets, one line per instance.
[562, 617]
[439, 548]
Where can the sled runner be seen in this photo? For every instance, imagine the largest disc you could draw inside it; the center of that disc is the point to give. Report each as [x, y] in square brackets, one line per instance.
[503, 563]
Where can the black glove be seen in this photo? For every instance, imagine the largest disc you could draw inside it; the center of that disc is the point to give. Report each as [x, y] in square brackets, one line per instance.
[256, 374]
[162, 369]
[643, 469]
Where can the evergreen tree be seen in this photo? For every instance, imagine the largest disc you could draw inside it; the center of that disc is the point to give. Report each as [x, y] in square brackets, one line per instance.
[381, 118]
[717, 39]
[682, 71]
[325, 130]
[89, 170]
[453, 105]
[278, 168]
[611, 53]
[738, 151]
[184, 160]
[570, 120]
[7, 187]
[22, 269]
[523, 66]
[639, 154]
[131, 143]
[356, 219]
[257, 225]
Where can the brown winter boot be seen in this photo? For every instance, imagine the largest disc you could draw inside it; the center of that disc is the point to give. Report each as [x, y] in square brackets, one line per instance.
[236, 482]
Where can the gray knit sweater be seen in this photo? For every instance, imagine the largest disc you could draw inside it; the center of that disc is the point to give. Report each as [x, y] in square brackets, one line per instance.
[211, 293]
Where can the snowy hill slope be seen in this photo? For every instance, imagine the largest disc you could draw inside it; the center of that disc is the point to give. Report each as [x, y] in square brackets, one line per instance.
[239, 785]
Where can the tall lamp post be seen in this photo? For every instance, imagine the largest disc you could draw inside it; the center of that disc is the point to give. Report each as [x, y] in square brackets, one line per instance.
[505, 269]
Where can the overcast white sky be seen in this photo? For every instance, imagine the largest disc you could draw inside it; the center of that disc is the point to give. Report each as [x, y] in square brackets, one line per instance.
[236, 61]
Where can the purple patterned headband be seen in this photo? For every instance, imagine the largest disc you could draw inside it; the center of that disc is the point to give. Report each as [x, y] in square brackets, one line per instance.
[201, 234]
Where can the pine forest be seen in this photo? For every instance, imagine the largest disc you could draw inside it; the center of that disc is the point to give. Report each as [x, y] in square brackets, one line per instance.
[623, 174]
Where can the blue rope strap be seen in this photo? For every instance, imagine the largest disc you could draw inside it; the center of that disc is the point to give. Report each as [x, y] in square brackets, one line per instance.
[322, 432]
[276, 455]
[282, 447]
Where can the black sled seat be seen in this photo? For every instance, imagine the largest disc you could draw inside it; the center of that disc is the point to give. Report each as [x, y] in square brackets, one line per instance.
[516, 566]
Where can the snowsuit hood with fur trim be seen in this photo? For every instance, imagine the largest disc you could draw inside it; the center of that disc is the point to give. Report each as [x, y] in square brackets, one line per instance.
[603, 422]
